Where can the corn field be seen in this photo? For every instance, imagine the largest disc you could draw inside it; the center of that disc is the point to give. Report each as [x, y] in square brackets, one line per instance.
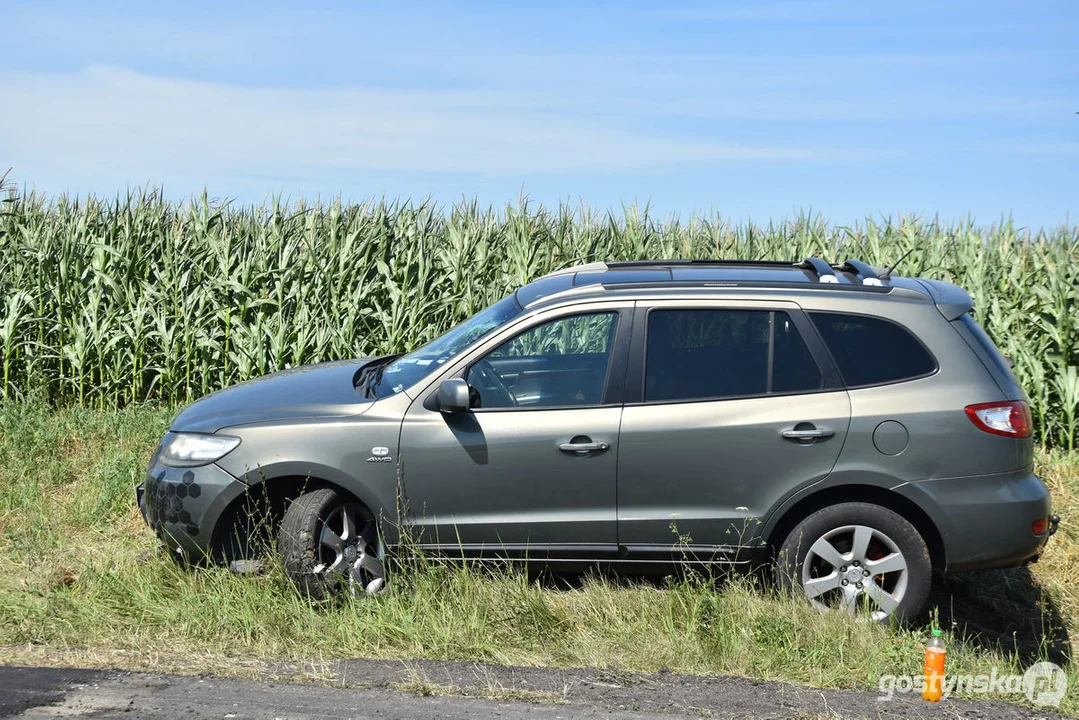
[114, 301]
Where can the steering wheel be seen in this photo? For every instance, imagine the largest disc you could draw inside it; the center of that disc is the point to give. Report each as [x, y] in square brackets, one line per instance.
[492, 381]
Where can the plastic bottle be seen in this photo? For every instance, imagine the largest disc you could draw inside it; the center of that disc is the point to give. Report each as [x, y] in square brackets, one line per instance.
[934, 668]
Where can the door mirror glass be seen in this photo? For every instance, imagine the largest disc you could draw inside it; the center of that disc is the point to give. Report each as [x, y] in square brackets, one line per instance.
[453, 396]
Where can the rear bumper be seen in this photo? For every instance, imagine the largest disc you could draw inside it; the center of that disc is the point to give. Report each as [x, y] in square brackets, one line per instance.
[985, 520]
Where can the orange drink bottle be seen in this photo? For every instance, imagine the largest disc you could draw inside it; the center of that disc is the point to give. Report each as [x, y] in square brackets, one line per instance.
[934, 668]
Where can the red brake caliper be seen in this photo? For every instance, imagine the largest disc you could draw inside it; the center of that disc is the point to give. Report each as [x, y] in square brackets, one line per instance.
[875, 552]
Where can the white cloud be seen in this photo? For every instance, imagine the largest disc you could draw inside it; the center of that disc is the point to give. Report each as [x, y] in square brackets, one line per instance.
[117, 122]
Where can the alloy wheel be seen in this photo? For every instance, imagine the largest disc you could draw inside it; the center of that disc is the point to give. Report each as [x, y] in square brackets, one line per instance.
[853, 566]
[345, 551]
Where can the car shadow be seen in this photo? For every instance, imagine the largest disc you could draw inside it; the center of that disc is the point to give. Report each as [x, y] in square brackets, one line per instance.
[1005, 610]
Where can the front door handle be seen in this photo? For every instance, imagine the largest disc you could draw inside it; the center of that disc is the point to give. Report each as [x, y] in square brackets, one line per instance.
[583, 447]
[808, 434]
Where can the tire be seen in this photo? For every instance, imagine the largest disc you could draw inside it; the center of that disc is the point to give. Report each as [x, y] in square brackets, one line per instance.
[857, 555]
[328, 545]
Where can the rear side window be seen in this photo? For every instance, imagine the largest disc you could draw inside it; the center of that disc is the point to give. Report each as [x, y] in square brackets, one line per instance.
[871, 350]
[714, 354]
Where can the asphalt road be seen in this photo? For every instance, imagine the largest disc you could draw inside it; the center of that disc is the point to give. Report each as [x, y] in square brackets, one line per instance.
[56, 692]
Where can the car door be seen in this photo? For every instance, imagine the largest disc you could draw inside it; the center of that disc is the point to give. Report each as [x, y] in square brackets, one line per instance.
[730, 406]
[530, 470]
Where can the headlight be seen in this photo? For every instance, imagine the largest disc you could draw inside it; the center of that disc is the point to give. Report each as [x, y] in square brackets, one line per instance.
[193, 449]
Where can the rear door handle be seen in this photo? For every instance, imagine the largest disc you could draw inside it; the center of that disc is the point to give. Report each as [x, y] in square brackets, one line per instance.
[581, 447]
[814, 434]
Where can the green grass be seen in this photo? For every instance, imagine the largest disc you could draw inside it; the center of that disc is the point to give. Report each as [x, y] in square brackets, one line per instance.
[112, 301]
[73, 590]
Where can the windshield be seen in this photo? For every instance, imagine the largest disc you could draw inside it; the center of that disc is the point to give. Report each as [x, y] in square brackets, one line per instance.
[409, 369]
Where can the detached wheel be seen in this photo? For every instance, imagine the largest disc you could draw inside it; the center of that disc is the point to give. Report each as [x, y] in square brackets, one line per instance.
[855, 555]
[328, 545]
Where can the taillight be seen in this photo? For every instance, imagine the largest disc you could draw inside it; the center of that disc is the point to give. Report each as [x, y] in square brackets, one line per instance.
[1007, 418]
[1040, 527]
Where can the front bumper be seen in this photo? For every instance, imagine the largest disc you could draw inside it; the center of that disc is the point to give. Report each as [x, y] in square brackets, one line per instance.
[182, 505]
[985, 520]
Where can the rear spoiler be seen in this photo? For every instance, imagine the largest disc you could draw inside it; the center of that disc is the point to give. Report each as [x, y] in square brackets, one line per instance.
[952, 301]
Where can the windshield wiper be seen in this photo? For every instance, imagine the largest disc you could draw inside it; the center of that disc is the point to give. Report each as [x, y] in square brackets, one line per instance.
[373, 379]
[371, 375]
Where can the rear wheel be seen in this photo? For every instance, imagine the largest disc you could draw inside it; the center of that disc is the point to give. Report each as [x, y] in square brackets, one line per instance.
[857, 555]
[328, 544]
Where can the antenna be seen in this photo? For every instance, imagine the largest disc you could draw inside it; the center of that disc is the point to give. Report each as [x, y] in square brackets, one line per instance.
[888, 273]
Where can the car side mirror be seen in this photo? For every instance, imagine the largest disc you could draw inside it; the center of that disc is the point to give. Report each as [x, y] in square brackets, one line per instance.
[454, 396]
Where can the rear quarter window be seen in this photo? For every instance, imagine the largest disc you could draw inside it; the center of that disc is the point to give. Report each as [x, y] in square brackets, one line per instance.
[871, 350]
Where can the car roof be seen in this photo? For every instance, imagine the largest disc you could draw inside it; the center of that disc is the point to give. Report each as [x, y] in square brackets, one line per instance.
[646, 277]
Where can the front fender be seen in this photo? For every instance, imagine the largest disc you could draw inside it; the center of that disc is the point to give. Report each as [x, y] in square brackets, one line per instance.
[382, 506]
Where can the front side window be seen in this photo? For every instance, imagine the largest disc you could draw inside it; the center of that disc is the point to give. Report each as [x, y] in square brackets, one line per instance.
[872, 350]
[561, 363]
[720, 353]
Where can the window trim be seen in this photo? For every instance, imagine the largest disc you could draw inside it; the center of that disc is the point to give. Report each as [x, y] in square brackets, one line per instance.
[830, 379]
[901, 326]
[614, 381]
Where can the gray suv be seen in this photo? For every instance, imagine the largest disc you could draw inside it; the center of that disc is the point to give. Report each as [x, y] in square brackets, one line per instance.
[856, 430]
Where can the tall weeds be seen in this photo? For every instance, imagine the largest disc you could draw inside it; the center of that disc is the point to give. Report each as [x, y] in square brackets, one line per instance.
[106, 302]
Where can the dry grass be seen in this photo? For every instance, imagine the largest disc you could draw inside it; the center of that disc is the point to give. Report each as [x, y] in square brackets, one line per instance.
[488, 688]
[72, 592]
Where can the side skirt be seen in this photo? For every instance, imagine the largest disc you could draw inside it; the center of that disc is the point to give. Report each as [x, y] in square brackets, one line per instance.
[634, 558]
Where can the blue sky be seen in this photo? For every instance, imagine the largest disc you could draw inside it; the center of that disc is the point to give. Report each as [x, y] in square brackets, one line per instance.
[746, 109]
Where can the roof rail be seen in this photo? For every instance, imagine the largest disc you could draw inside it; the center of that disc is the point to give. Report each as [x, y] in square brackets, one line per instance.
[864, 274]
[588, 267]
[680, 263]
[824, 271]
[869, 275]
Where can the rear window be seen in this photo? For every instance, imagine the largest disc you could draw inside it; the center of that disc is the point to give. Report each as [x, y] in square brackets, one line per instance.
[871, 350]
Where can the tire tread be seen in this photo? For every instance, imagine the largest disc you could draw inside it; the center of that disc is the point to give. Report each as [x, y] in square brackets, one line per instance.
[297, 543]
